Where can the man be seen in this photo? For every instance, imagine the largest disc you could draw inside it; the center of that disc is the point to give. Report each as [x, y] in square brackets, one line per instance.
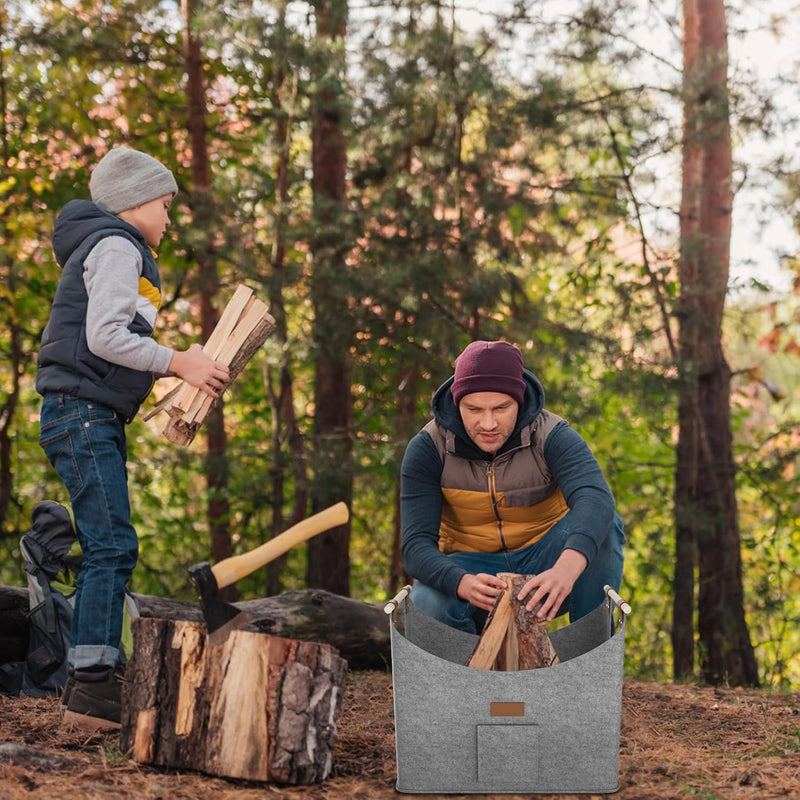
[497, 483]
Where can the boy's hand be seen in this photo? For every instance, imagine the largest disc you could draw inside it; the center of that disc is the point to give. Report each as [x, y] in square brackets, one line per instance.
[200, 370]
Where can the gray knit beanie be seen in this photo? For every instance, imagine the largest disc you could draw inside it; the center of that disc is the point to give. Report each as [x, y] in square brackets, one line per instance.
[125, 178]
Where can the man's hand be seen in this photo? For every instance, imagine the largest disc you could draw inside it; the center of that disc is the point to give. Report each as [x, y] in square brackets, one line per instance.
[200, 370]
[481, 590]
[552, 587]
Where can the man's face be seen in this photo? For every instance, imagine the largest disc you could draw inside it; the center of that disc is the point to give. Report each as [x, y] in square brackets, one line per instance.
[489, 418]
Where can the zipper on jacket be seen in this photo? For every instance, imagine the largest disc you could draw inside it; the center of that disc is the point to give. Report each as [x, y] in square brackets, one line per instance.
[493, 497]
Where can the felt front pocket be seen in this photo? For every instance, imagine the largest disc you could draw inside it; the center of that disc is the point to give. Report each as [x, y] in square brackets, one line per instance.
[508, 755]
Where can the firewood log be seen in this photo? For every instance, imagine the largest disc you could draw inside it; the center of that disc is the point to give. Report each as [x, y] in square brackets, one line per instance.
[513, 638]
[243, 327]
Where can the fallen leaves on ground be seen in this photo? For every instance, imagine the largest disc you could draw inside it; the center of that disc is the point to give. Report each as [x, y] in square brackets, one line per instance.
[676, 741]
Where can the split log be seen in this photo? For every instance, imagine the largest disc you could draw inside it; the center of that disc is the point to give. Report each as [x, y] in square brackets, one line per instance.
[256, 707]
[494, 634]
[533, 645]
[243, 327]
[513, 638]
[356, 629]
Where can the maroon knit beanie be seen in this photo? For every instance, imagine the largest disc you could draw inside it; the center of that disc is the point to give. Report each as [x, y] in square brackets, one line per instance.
[489, 367]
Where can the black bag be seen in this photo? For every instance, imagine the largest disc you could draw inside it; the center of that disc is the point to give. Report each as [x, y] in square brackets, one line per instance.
[52, 560]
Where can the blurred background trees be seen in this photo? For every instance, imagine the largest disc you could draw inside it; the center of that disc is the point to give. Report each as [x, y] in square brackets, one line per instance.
[396, 179]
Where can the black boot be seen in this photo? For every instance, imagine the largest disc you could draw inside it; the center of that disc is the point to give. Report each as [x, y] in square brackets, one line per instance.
[94, 700]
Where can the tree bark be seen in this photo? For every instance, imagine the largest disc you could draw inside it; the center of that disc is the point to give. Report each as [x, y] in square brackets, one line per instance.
[706, 518]
[329, 553]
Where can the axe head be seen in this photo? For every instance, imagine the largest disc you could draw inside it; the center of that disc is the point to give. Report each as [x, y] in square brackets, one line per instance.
[220, 617]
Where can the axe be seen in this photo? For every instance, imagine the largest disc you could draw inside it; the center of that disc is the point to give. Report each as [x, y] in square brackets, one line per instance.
[221, 618]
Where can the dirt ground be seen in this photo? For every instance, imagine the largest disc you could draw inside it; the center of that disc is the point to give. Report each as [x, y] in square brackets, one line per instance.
[676, 741]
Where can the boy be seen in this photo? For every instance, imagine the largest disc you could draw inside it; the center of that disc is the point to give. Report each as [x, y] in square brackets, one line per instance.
[96, 365]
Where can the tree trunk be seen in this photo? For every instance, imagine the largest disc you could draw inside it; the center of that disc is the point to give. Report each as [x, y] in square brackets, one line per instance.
[216, 459]
[329, 553]
[285, 429]
[359, 631]
[705, 502]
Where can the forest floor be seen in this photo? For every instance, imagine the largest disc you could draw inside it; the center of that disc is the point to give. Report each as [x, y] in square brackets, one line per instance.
[676, 741]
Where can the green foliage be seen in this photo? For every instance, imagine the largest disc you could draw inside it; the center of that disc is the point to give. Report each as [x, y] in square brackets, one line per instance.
[484, 202]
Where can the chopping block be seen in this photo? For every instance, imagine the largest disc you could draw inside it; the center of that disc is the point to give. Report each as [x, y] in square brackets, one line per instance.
[257, 707]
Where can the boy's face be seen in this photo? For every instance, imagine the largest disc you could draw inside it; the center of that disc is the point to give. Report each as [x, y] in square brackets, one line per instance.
[151, 219]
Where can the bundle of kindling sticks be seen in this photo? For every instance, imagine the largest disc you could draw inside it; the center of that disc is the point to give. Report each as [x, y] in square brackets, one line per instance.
[243, 327]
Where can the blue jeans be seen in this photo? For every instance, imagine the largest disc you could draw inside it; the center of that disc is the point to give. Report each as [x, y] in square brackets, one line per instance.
[85, 442]
[586, 595]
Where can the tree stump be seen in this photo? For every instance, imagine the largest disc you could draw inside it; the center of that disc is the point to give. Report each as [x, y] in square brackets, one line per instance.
[256, 707]
[513, 638]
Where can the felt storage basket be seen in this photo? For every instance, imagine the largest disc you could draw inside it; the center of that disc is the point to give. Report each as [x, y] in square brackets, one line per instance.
[462, 730]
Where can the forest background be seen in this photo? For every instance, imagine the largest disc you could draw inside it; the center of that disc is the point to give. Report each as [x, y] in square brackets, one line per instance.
[396, 179]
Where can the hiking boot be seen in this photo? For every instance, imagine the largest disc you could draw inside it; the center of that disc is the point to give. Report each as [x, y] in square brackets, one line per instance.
[95, 700]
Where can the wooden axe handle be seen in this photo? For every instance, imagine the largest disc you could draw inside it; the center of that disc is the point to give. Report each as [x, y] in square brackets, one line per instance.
[229, 570]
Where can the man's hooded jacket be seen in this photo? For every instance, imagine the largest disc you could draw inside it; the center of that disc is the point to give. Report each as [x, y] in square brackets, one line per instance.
[455, 497]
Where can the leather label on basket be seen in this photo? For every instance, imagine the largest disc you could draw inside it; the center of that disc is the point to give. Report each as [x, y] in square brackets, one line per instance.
[508, 709]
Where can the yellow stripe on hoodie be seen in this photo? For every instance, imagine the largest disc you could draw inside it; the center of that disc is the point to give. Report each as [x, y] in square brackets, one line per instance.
[151, 293]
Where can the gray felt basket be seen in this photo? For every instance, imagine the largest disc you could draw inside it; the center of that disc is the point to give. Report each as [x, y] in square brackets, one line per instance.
[463, 730]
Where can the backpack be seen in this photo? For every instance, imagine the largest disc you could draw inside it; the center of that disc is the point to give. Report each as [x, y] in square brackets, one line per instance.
[52, 558]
